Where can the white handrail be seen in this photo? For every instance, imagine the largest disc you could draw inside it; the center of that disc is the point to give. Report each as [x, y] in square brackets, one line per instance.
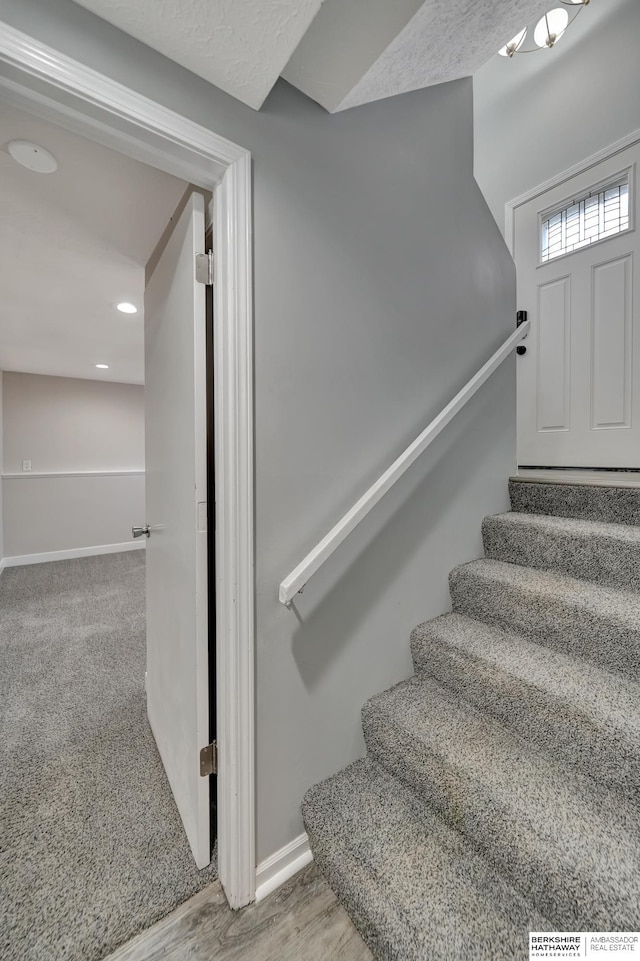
[297, 579]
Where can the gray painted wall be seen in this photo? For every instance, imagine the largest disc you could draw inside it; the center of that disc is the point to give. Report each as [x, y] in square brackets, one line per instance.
[537, 115]
[65, 426]
[70, 424]
[45, 515]
[381, 285]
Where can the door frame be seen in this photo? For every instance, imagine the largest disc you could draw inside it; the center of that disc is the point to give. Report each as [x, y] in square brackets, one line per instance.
[64, 91]
[511, 206]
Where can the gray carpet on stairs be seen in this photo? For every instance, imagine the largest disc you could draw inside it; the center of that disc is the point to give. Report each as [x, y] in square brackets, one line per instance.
[415, 888]
[577, 712]
[607, 554]
[512, 757]
[93, 849]
[601, 624]
[543, 826]
[588, 502]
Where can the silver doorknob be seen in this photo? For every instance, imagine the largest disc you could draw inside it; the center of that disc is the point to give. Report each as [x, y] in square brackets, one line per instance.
[139, 531]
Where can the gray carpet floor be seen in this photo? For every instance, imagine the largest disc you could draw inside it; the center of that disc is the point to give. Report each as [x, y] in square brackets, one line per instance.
[92, 849]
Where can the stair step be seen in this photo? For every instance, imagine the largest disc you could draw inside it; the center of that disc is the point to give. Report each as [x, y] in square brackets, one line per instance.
[569, 844]
[414, 887]
[601, 624]
[577, 712]
[610, 504]
[607, 554]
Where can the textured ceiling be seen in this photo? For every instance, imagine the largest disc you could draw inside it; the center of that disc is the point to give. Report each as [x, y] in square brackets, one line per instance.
[72, 245]
[445, 40]
[341, 53]
[240, 46]
[421, 44]
[344, 40]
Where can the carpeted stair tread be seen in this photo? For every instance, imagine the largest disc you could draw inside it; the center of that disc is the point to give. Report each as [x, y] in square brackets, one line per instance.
[578, 617]
[577, 711]
[607, 554]
[415, 888]
[613, 505]
[570, 844]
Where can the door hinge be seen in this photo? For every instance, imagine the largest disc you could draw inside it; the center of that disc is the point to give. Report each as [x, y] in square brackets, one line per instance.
[209, 760]
[204, 268]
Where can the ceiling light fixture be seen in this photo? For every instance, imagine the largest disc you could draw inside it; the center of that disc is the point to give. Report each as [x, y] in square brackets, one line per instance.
[103, 366]
[549, 29]
[32, 156]
[126, 308]
[514, 45]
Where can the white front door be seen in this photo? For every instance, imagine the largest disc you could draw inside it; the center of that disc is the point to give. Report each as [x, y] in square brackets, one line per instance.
[579, 380]
[176, 504]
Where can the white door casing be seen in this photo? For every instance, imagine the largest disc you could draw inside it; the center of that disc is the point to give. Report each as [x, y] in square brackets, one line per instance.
[176, 505]
[579, 381]
[46, 82]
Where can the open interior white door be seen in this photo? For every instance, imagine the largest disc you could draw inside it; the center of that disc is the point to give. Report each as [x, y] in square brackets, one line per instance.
[176, 505]
[579, 381]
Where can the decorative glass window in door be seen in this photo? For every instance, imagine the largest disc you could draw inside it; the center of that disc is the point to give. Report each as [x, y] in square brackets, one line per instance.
[598, 215]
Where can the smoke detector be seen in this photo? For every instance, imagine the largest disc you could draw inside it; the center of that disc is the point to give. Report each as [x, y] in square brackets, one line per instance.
[32, 156]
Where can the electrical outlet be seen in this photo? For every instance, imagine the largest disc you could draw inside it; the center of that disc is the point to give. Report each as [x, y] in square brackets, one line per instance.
[26, 465]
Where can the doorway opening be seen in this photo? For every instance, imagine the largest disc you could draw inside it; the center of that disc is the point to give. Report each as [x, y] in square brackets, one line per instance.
[91, 799]
[40, 78]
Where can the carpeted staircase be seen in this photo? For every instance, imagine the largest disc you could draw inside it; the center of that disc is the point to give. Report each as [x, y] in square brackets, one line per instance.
[499, 794]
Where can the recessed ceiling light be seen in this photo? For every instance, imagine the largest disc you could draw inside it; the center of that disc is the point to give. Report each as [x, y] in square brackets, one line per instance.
[103, 366]
[32, 156]
[126, 308]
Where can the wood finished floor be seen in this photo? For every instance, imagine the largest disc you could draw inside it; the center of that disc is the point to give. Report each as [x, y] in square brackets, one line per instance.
[302, 920]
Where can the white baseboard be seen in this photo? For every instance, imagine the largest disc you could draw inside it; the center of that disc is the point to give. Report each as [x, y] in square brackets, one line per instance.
[2, 564]
[19, 559]
[282, 865]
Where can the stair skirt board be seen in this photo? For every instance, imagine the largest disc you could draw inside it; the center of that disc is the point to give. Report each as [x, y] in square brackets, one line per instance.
[19, 559]
[282, 865]
[501, 788]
